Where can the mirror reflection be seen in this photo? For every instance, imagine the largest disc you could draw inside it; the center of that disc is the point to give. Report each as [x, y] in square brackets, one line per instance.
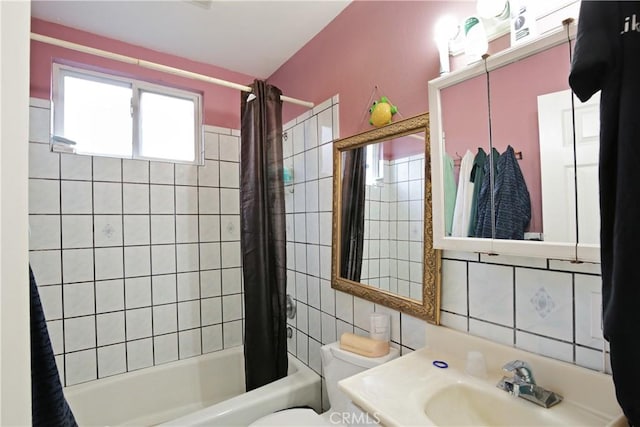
[465, 127]
[533, 192]
[587, 146]
[383, 244]
[540, 179]
[393, 215]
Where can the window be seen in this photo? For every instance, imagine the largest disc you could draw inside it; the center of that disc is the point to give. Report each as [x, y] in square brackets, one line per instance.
[375, 164]
[102, 115]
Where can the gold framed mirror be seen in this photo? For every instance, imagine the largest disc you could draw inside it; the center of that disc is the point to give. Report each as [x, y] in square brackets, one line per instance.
[382, 243]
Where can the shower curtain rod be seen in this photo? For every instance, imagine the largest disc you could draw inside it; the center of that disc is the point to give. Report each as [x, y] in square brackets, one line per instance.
[155, 66]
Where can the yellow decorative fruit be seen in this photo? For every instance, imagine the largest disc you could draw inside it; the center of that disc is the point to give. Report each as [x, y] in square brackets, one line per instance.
[382, 112]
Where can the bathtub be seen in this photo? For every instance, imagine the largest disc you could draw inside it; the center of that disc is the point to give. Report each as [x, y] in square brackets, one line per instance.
[202, 391]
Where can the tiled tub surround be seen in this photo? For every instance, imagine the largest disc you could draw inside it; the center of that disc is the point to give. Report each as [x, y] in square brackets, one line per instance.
[539, 305]
[138, 263]
[394, 228]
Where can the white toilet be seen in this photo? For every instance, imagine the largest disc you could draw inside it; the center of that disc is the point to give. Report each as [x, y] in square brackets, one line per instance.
[336, 364]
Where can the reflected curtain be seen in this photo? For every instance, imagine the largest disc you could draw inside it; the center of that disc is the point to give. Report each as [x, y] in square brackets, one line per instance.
[263, 236]
[353, 200]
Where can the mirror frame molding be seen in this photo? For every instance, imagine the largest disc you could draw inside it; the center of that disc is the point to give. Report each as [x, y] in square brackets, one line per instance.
[552, 250]
[429, 308]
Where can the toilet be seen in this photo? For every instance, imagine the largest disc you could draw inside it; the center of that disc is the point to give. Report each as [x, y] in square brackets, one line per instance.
[336, 364]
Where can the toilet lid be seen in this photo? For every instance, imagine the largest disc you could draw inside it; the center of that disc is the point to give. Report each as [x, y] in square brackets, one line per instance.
[291, 417]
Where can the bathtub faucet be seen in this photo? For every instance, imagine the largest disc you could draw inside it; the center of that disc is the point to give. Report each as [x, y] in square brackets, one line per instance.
[522, 384]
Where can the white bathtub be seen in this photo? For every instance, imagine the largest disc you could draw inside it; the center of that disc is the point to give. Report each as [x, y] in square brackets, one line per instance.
[202, 391]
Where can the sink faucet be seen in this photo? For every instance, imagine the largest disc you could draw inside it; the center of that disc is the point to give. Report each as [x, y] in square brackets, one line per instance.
[522, 384]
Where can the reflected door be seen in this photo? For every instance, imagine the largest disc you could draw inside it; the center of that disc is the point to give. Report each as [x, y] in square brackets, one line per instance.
[556, 157]
[587, 119]
[556, 166]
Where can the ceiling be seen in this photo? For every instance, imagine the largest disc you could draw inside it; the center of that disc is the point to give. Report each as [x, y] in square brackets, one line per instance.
[251, 37]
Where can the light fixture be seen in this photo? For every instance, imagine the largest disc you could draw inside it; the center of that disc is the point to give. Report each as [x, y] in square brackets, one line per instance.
[446, 29]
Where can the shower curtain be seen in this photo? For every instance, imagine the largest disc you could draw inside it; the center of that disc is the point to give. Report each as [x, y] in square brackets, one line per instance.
[352, 227]
[48, 404]
[263, 236]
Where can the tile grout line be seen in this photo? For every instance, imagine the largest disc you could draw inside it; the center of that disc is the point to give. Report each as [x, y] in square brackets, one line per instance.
[175, 254]
[124, 282]
[62, 281]
[151, 310]
[93, 237]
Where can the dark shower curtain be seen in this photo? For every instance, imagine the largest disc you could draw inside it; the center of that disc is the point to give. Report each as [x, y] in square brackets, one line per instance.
[352, 230]
[48, 404]
[263, 236]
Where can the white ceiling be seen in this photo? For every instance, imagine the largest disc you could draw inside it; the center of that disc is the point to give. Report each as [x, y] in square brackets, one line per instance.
[251, 37]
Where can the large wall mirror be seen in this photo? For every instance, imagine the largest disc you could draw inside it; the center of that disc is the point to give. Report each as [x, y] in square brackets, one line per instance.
[382, 223]
[513, 120]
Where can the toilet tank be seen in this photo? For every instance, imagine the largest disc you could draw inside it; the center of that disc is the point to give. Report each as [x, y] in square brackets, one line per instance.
[338, 364]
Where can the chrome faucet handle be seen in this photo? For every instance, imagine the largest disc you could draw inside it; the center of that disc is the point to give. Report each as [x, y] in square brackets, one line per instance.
[522, 385]
[522, 371]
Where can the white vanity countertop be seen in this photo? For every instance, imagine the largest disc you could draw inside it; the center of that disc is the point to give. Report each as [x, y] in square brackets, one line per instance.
[398, 391]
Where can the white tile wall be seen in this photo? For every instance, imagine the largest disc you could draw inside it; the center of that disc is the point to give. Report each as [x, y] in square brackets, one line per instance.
[388, 262]
[542, 306]
[110, 328]
[135, 171]
[107, 198]
[479, 296]
[108, 230]
[107, 169]
[80, 366]
[162, 199]
[212, 338]
[75, 167]
[232, 334]
[544, 309]
[111, 360]
[51, 298]
[43, 163]
[166, 348]
[78, 299]
[139, 354]
[491, 293]
[124, 250]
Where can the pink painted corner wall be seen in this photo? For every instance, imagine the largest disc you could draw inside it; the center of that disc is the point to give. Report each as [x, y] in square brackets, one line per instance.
[404, 146]
[221, 104]
[388, 44]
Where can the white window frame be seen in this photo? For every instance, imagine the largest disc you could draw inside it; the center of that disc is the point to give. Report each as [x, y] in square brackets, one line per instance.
[375, 168]
[137, 88]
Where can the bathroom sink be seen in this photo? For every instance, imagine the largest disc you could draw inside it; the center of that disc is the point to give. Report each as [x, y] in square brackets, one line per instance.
[431, 387]
[462, 404]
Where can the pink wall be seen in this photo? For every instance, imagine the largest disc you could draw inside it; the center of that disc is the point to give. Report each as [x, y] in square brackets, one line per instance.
[465, 103]
[465, 113]
[221, 105]
[390, 44]
[385, 43]
[404, 146]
